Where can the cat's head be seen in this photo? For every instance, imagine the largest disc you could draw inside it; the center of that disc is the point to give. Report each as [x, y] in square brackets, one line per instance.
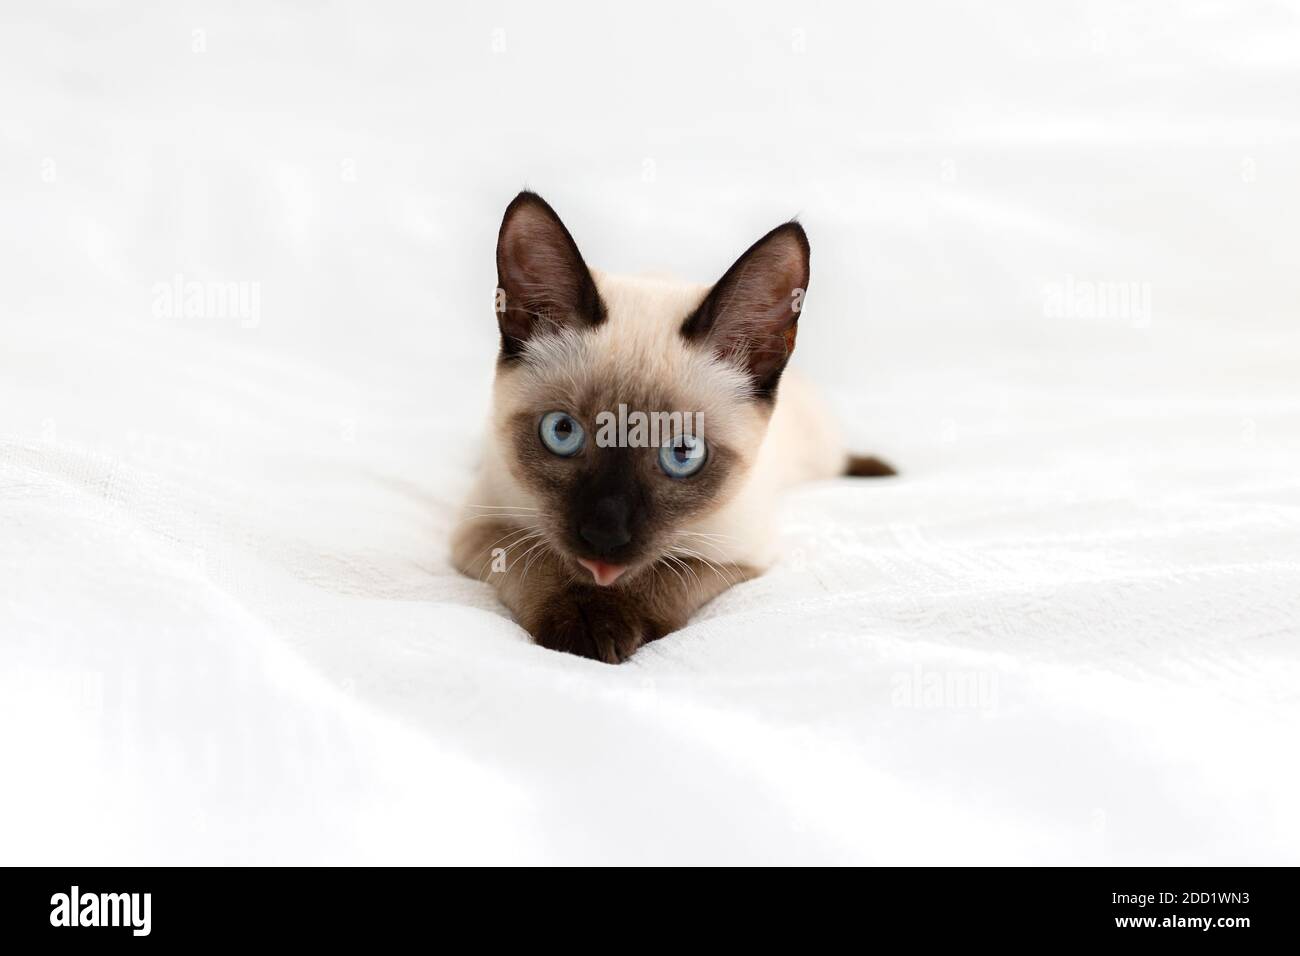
[583, 353]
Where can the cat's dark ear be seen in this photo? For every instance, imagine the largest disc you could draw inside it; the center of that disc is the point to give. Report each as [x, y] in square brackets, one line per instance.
[542, 282]
[751, 315]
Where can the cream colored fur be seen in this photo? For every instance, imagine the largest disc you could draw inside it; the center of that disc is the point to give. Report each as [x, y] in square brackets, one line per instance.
[640, 344]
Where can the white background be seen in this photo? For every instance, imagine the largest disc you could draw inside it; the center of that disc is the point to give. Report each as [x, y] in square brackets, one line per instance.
[228, 628]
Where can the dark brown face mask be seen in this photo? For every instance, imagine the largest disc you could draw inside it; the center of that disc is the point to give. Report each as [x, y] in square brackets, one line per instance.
[615, 505]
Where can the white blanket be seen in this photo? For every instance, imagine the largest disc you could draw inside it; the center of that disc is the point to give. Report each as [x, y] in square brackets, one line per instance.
[1053, 281]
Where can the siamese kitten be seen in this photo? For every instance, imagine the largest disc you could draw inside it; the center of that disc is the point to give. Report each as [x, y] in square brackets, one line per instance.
[601, 538]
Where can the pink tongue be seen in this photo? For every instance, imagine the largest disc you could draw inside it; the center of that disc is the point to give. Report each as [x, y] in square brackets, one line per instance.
[605, 574]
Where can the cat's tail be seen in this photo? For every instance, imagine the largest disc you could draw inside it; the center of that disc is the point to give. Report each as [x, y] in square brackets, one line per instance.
[867, 466]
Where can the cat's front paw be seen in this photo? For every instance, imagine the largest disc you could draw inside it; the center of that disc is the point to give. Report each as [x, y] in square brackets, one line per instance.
[600, 623]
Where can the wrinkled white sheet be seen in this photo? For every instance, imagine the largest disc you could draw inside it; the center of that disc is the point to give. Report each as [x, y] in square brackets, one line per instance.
[229, 631]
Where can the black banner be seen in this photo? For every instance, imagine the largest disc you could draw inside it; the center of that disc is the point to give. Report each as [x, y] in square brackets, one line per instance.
[141, 907]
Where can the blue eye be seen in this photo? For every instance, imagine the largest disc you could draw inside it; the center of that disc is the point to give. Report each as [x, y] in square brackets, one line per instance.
[683, 457]
[561, 434]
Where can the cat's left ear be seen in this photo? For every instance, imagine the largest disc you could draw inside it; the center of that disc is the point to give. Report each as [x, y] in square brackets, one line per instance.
[751, 314]
[542, 283]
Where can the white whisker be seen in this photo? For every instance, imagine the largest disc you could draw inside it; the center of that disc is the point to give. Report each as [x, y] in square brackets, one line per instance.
[544, 545]
[688, 569]
[706, 561]
[668, 557]
[528, 531]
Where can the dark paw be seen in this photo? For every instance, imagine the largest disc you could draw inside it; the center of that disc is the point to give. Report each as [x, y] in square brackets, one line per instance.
[599, 623]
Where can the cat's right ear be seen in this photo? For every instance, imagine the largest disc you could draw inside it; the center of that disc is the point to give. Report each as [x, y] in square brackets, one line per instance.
[542, 282]
[751, 314]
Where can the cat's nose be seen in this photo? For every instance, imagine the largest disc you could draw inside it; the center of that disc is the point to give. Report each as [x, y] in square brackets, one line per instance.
[604, 527]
